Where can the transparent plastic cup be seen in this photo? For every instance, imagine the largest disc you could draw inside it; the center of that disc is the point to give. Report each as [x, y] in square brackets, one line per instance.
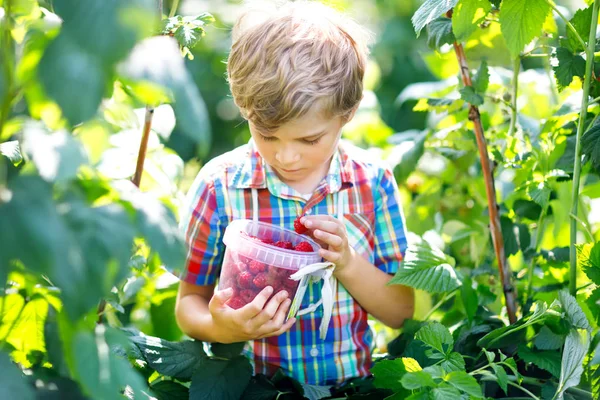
[250, 265]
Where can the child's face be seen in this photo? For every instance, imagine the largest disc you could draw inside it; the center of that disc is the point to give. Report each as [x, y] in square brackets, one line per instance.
[300, 149]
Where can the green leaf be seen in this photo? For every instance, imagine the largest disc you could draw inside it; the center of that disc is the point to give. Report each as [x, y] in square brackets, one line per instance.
[409, 160]
[469, 95]
[428, 269]
[445, 392]
[64, 70]
[516, 236]
[593, 303]
[573, 311]
[188, 36]
[582, 22]
[574, 352]
[465, 383]
[168, 70]
[260, 388]
[57, 156]
[227, 350]
[548, 340]
[54, 345]
[100, 372]
[469, 298]
[521, 21]
[12, 151]
[417, 380]
[501, 377]
[590, 145]
[221, 380]
[540, 193]
[169, 390]
[482, 79]
[467, 15]
[12, 381]
[387, 373]
[106, 28]
[453, 362]
[568, 67]
[430, 10]
[548, 360]
[527, 209]
[175, 359]
[314, 392]
[205, 18]
[439, 32]
[436, 336]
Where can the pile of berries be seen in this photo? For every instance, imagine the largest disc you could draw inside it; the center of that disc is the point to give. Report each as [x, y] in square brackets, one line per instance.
[248, 277]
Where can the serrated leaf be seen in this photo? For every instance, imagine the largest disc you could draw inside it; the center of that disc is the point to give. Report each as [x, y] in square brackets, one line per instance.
[590, 145]
[227, 350]
[430, 10]
[260, 388]
[573, 311]
[527, 209]
[221, 380]
[188, 36]
[567, 67]
[469, 95]
[417, 380]
[175, 359]
[465, 383]
[467, 15]
[453, 362]
[547, 360]
[522, 21]
[482, 79]
[574, 352]
[593, 303]
[540, 193]
[169, 390]
[436, 336]
[501, 377]
[428, 269]
[314, 392]
[548, 340]
[439, 32]
[516, 236]
[387, 373]
[445, 392]
[12, 151]
[469, 298]
[206, 18]
[581, 21]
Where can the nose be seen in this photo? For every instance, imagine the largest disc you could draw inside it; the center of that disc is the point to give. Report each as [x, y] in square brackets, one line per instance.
[287, 156]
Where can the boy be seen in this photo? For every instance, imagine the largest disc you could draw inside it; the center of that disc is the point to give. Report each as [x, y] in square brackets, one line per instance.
[296, 76]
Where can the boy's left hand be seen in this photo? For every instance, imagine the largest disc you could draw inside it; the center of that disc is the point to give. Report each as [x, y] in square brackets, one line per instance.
[331, 233]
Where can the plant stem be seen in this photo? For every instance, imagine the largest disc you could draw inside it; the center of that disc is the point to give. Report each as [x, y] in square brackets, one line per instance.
[174, 8]
[515, 93]
[496, 231]
[537, 238]
[585, 227]
[568, 24]
[6, 67]
[139, 168]
[444, 299]
[589, 64]
[533, 396]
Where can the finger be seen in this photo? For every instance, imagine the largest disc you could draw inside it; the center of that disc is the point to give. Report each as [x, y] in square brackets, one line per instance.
[330, 256]
[327, 226]
[255, 307]
[269, 310]
[220, 297]
[329, 238]
[284, 328]
[277, 321]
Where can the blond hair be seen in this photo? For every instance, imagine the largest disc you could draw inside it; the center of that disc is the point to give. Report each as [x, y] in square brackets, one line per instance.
[287, 59]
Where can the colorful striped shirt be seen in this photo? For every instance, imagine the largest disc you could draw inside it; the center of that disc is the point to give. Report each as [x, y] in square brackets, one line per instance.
[376, 229]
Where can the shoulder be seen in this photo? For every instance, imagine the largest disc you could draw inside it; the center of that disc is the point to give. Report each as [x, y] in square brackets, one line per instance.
[218, 167]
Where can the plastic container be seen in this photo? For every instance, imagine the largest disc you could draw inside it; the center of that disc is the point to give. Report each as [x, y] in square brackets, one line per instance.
[250, 264]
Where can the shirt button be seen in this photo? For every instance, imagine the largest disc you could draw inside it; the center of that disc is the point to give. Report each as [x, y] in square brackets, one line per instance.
[314, 352]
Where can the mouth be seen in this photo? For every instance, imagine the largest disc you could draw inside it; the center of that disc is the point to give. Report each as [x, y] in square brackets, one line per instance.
[290, 171]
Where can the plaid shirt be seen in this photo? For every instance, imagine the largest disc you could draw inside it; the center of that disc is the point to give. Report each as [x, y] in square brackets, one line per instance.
[376, 229]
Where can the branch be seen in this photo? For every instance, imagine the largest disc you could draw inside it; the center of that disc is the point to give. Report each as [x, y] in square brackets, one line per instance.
[496, 231]
[139, 168]
[589, 65]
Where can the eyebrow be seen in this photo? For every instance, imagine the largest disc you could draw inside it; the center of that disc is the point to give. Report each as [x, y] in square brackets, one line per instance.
[312, 135]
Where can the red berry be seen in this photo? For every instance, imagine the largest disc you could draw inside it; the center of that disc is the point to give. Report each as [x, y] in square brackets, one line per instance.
[304, 246]
[290, 283]
[267, 241]
[256, 266]
[284, 245]
[261, 280]
[247, 295]
[240, 267]
[299, 227]
[235, 303]
[245, 280]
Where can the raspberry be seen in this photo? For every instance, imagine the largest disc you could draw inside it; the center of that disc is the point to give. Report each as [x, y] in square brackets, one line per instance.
[245, 280]
[261, 280]
[304, 246]
[240, 267]
[299, 227]
[247, 295]
[284, 245]
[267, 241]
[256, 266]
[235, 303]
[290, 283]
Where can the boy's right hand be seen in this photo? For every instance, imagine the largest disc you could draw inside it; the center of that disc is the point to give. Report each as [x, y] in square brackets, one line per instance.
[258, 319]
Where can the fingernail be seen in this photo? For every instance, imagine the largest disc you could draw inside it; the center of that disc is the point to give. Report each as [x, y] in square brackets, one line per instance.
[284, 294]
[269, 289]
[302, 220]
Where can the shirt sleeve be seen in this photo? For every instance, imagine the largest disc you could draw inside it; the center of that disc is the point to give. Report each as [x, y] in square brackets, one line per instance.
[203, 233]
[390, 226]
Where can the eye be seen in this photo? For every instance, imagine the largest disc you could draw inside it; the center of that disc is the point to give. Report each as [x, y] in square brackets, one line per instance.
[312, 142]
[267, 138]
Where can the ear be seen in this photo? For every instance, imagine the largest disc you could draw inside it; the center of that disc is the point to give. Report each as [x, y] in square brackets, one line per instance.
[352, 112]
